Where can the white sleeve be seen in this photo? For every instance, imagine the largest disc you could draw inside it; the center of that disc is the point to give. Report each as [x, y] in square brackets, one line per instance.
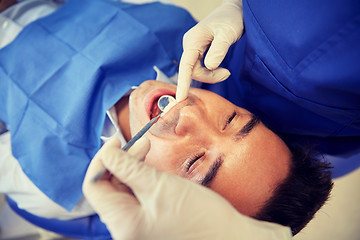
[16, 17]
[15, 184]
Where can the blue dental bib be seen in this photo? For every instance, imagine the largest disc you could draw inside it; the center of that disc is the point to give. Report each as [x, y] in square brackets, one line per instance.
[64, 71]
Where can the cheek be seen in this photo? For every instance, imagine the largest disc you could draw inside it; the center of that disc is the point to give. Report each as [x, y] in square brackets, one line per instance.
[162, 157]
[134, 122]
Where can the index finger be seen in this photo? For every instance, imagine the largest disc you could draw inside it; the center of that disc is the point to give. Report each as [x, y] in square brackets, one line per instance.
[186, 67]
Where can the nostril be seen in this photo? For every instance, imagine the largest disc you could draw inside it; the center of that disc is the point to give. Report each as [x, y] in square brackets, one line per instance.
[187, 121]
[181, 129]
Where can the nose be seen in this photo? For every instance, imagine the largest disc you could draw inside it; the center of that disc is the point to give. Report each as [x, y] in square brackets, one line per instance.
[191, 121]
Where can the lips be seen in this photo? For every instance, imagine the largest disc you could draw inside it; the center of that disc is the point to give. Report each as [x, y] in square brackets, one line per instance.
[167, 123]
[151, 101]
[154, 108]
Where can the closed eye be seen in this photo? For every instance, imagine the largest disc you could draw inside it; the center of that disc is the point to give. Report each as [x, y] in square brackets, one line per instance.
[193, 159]
[229, 119]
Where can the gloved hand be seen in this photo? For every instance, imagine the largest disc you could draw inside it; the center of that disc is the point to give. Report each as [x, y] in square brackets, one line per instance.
[163, 206]
[219, 30]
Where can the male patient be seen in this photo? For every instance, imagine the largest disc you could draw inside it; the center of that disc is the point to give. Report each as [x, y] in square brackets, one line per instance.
[204, 138]
[210, 141]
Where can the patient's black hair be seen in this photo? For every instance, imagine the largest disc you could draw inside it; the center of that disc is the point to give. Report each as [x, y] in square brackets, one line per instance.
[306, 188]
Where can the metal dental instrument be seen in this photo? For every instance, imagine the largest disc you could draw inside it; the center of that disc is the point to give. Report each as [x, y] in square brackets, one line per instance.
[130, 143]
[164, 103]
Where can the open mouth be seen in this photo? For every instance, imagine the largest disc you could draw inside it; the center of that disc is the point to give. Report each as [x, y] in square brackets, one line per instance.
[155, 110]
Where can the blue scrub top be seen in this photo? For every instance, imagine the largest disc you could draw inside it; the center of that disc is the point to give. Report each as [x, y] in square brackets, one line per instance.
[63, 72]
[298, 68]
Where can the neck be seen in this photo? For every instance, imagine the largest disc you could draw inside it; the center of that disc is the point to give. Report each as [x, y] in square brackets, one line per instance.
[122, 110]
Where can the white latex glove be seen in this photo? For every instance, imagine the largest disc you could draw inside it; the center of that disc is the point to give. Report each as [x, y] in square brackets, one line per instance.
[219, 30]
[163, 206]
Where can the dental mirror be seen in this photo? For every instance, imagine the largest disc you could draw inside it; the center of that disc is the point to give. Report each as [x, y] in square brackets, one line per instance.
[165, 101]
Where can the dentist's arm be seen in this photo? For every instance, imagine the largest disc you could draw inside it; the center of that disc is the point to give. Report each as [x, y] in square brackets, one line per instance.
[217, 32]
[158, 205]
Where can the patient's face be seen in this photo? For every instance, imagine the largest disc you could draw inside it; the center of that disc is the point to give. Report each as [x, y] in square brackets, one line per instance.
[212, 142]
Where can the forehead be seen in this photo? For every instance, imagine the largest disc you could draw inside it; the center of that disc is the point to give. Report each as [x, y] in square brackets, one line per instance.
[252, 169]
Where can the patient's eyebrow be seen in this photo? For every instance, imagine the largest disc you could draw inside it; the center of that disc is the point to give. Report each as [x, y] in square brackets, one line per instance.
[212, 171]
[246, 129]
